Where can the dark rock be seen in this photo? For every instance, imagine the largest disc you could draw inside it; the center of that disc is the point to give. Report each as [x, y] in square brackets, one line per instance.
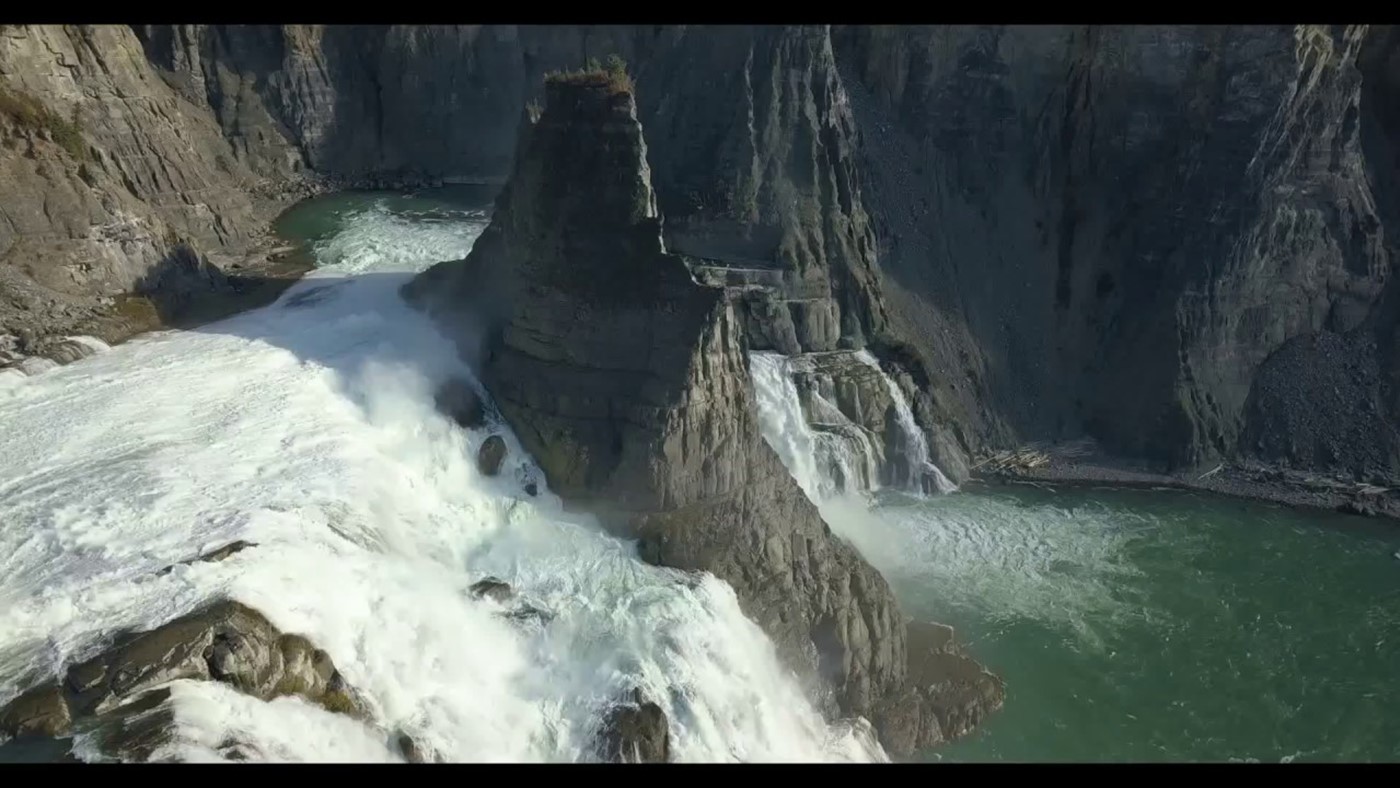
[213, 555]
[532, 489]
[133, 731]
[1359, 508]
[37, 749]
[493, 588]
[457, 400]
[40, 711]
[526, 613]
[226, 642]
[636, 731]
[947, 695]
[408, 748]
[490, 456]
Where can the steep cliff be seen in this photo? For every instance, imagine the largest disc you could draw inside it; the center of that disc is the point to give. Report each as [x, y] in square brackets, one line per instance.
[113, 184]
[627, 380]
[1169, 238]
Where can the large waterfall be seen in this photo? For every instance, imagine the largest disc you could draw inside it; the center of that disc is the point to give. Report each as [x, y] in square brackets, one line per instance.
[308, 428]
[827, 452]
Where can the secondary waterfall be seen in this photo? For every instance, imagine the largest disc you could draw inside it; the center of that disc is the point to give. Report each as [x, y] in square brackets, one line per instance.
[915, 444]
[827, 452]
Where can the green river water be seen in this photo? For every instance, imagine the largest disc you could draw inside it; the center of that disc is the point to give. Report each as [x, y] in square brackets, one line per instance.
[1159, 626]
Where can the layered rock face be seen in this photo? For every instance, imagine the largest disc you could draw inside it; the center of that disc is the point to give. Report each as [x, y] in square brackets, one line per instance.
[627, 380]
[113, 183]
[121, 696]
[1169, 238]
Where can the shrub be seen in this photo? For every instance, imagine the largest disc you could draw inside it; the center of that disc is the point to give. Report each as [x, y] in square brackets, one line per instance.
[612, 74]
[28, 112]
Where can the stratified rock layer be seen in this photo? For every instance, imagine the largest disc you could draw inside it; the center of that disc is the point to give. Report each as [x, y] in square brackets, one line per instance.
[628, 382]
[121, 694]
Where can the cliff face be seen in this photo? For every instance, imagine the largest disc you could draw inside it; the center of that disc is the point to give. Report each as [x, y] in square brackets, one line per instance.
[111, 180]
[1168, 238]
[628, 382]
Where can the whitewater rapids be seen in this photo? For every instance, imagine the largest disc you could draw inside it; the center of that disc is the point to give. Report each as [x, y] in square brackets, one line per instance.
[308, 427]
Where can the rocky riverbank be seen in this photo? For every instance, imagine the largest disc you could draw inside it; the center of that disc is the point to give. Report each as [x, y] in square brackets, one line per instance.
[1082, 464]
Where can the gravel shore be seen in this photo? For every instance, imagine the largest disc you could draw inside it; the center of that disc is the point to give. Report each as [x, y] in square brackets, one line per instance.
[1081, 465]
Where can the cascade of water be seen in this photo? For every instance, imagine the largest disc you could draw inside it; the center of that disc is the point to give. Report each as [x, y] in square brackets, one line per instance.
[308, 427]
[914, 441]
[826, 453]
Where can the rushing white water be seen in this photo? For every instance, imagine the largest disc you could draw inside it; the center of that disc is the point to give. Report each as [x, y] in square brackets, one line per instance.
[916, 444]
[308, 427]
[830, 457]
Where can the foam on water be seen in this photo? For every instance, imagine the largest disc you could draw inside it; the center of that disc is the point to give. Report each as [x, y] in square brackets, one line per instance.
[308, 427]
[1058, 567]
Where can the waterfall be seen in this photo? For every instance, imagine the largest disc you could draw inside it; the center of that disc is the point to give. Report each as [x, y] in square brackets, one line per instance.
[915, 443]
[827, 453]
[809, 456]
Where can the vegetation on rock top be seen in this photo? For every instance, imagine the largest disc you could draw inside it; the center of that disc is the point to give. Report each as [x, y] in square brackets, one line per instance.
[28, 112]
[612, 74]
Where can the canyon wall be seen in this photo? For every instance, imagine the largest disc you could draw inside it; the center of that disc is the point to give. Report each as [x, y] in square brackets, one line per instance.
[1171, 239]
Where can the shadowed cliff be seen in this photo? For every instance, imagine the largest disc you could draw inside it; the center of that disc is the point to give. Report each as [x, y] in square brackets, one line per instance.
[1167, 238]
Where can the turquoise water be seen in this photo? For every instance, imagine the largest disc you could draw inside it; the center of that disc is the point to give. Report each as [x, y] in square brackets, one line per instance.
[320, 218]
[1159, 626]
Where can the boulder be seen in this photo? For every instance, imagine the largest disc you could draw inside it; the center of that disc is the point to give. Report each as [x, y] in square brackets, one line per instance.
[40, 711]
[213, 555]
[636, 731]
[121, 695]
[490, 456]
[457, 400]
[492, 588]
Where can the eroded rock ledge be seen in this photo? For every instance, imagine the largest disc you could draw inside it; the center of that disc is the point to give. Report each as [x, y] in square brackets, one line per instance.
[122, 696]
[628, 381]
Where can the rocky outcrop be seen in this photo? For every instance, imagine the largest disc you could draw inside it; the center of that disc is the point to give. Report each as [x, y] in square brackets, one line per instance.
[627, 381]
[636, 731]
[121, 695]
[490, 456]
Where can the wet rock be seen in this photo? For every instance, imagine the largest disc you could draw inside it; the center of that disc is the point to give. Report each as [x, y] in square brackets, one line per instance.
[134, 731]
[947, 694]
[636, 731]
[227, 642]
[457, 400]
[40, 711]
[529, 613]
[532, 489]
[492, 588]
[1361, 508]
[408, 748]
[122, 699]
[213, 555]
[490, 456]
